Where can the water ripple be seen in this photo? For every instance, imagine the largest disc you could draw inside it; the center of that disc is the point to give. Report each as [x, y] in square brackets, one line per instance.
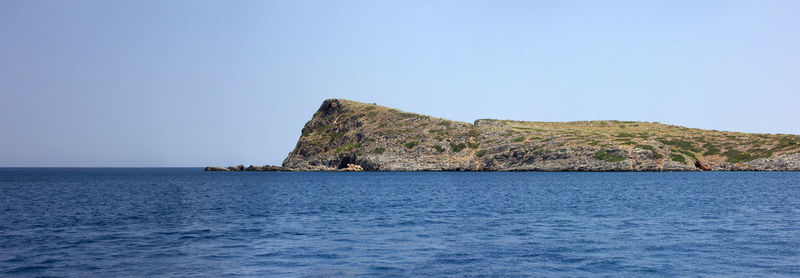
[184, 222]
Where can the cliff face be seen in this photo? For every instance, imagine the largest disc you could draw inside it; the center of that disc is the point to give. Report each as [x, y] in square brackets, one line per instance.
[343, 134]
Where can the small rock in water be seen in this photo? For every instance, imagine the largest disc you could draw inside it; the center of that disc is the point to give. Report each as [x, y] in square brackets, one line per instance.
[266, 168]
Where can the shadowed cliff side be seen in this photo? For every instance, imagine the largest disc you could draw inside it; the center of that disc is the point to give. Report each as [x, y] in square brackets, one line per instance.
[343, 134]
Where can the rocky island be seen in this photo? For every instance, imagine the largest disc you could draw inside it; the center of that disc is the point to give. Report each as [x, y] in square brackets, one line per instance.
[355, 136]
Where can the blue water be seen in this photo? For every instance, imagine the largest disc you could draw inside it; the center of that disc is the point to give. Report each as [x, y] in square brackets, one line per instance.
[186, 222]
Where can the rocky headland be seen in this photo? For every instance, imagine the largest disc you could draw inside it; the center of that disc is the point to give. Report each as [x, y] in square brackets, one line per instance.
[346, 135]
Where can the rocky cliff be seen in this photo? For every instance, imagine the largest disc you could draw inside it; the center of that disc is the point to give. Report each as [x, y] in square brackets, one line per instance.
[343, 134]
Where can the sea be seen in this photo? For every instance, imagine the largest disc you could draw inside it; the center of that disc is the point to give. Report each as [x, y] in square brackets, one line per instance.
[184, 222]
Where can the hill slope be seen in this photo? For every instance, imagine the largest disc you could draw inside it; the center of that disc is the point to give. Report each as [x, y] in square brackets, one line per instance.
[379, 138]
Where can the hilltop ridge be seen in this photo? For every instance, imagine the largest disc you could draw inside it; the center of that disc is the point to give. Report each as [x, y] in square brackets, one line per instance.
[344, 133]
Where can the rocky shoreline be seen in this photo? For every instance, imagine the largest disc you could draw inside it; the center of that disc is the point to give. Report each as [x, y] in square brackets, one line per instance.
[346, 135]
[251, 168]
[272, 168]
[780, 164]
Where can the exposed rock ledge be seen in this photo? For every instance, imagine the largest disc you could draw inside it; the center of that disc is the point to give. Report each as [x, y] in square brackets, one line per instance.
[238, 168]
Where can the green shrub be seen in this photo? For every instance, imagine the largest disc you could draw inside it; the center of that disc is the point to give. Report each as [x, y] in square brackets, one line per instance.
[379, 150]
[517, 128]
[786, 143]
[457, 147]
[518, 139]
[406, 115]
[473, 145]
[688, 153]
[678, 158]
[335, 135]
[473, 133]
[481, 153]
[712, 151]
[681, 144]
[625, 134]
[410, 144]
[783, 144]
[321, 129]
[736, 156]
[437, 131]
[438, 148]
[372, 114]
[602, 155]
[347, 147]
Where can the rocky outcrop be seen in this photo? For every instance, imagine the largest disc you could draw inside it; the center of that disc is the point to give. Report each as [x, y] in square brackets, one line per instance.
[225, 169]
[217, 169]
[352, 168]
[239, 168]
[346, 135]
[267, 168]
[788, 162]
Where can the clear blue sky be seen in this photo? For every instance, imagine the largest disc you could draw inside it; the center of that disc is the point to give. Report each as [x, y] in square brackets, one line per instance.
[194, 83]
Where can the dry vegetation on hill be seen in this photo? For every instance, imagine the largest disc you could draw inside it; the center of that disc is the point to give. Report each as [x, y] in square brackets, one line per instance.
[346, 132]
